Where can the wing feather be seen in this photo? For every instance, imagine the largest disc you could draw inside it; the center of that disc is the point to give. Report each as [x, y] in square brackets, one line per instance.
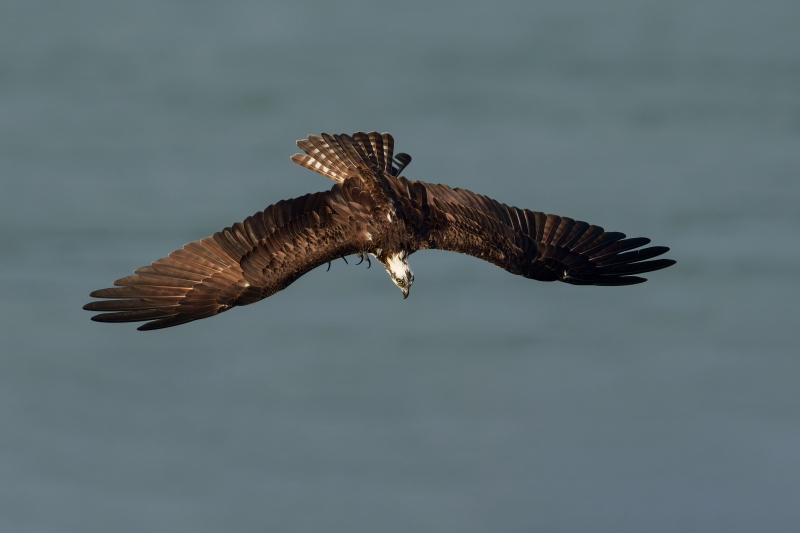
[243, 263]
[553, 248]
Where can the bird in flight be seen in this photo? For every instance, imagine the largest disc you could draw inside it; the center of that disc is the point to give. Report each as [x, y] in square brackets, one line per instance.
[371, 210]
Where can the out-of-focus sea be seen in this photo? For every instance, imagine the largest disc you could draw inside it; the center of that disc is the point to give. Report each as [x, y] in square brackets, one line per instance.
[484, 402]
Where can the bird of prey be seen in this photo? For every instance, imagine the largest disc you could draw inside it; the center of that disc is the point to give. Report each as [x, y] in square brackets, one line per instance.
[371, 210]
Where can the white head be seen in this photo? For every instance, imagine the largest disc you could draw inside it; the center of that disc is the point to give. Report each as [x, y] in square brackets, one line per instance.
[397, 267]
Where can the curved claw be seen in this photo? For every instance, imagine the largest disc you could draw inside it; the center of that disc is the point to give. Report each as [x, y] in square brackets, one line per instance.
[361, 260]
[369, 263]
[345, 260]
[329, 266]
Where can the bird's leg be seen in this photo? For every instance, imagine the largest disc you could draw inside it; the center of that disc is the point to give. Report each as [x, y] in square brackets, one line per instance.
[362, 256]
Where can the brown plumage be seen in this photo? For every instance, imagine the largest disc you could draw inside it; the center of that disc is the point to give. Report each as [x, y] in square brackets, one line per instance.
[370, 210]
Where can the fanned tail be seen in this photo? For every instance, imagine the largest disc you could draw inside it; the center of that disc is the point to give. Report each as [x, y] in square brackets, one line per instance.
[340, 156]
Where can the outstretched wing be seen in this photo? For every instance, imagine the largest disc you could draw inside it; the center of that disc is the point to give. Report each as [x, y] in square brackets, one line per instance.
[545, 247]
[243, 263]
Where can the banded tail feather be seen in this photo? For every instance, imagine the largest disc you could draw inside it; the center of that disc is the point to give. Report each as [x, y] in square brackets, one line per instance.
[400, 162]
[339, 156]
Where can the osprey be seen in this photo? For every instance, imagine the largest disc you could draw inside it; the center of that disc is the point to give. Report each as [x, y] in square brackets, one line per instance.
[371, 210]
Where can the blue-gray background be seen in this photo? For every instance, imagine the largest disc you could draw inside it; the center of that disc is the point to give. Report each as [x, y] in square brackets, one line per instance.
[484, 402]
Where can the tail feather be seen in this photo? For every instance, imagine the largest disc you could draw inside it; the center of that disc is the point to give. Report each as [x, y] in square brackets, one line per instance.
[400, 162]
[376, 141]
[339, 156]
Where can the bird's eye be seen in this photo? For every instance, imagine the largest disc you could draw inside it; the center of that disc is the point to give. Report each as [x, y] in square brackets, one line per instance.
[401, 282]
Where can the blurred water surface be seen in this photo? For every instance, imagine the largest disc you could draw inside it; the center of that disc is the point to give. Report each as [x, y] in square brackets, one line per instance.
[484, 402]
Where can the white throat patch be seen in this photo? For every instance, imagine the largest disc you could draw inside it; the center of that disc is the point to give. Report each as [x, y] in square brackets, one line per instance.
[397, 265]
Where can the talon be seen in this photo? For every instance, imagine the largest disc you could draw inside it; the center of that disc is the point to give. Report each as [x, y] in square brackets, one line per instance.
[329, 266]
[345, 259]
[369, 263]
[362, 259]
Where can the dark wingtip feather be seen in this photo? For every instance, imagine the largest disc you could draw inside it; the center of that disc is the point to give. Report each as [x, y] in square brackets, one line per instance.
[114, 317]
[620, 281]
[612, 266]
[635, 268]
[149, 326]
[166, 322]
[626, 258]
[136, 315]
[130, 304]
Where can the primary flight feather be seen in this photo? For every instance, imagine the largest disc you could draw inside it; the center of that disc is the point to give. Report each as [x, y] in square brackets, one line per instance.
[370, 210]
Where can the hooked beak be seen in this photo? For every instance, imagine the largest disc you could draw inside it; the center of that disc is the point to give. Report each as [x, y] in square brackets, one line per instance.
[405, 293]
